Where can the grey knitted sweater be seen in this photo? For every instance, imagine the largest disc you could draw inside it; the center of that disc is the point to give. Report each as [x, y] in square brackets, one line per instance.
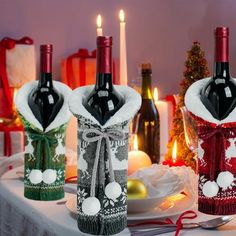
[102, 159]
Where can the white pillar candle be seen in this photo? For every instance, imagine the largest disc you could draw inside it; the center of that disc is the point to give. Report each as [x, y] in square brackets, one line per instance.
[162, 108]
[137, 159]
[123, 58]
[99, 25]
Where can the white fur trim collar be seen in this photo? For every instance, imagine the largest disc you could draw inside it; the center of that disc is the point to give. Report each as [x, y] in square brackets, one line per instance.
[194, 104]
[22, 105]
[126, 112]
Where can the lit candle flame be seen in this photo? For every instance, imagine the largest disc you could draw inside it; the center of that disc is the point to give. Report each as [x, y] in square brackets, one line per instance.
[174, 152]
[122, 15]
[99, 21]
[135, 142]
[155, 94]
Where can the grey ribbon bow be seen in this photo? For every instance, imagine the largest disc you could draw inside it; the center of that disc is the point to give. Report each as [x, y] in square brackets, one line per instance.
[94, 135]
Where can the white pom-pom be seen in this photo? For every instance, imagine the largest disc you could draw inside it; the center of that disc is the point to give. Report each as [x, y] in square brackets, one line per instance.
[210, 189]
[113, 190]
[225, 179]
[49, 176]
[36, 176]
[91, 206]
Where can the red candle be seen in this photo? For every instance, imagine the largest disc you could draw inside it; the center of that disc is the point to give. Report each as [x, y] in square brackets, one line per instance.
[174, 161]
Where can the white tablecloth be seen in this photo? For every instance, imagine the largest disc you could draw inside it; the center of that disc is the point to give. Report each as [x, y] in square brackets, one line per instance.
[23, 217]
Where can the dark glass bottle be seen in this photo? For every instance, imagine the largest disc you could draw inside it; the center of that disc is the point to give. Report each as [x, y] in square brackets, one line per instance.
[146, 123]
[45, 101]
[104, 101]
[219, 95]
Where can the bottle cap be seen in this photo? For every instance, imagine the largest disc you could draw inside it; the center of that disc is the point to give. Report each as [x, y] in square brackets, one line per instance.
[104, 54]
[104, 41]
[46, 48]
[222, 31]
[146, 66]
[46, 58]
[222, 44]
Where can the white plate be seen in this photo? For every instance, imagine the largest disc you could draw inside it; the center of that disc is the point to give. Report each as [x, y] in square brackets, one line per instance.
[144, 205]
[175, 208]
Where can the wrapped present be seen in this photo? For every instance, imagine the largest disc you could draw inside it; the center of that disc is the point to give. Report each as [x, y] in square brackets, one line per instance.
[79, 69]
[17, 66]
[102, 164]
[11, 139]
[44, 150]
[216, 155]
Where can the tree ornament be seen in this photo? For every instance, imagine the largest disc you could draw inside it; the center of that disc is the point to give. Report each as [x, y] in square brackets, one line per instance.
[225, 179]
[210, 189]
[36, 176]
[91, 206]
[49, 176]
[195, 69]
[113, 190]
[136, 189]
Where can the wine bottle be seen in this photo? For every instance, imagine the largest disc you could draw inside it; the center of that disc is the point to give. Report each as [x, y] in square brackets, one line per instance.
[45, 101]
[104, 101]
[219, 94]
[146, 123]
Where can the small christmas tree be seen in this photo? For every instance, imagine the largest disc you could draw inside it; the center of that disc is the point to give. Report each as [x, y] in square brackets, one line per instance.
[196, 68]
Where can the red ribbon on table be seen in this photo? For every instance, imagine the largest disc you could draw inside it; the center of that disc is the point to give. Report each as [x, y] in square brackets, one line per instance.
[217, 136]
[7, 44]
[179, 224]
[83, 54]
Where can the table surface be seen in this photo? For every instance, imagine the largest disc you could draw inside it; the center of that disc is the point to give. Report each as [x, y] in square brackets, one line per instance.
[58, 219]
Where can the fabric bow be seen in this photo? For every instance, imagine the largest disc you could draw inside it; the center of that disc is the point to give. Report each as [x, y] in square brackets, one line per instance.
[209, 132]
[9, 43]
[48, 141]
[94, 135]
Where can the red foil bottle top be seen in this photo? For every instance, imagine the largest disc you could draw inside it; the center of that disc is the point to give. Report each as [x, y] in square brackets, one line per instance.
[222, 44]
[104, 54]
[46, 58]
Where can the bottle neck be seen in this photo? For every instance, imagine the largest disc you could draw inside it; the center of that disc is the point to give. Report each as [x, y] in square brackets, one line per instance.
[45, 70]
[104, 68]
[221, 70]
[146, 86]
[221, 65]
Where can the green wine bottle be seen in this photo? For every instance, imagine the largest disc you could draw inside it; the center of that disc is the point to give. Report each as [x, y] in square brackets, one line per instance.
[146, 123]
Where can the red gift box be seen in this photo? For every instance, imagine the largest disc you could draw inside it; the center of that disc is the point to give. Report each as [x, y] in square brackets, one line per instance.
[79, 69]
[16, 57]
[11, 139]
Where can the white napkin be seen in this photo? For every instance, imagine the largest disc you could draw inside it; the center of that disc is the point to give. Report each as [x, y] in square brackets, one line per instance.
[163, 181]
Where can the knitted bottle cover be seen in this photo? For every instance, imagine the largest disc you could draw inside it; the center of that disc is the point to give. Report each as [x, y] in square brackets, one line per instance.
[102, 164]
[216, 156]
[44, 150]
